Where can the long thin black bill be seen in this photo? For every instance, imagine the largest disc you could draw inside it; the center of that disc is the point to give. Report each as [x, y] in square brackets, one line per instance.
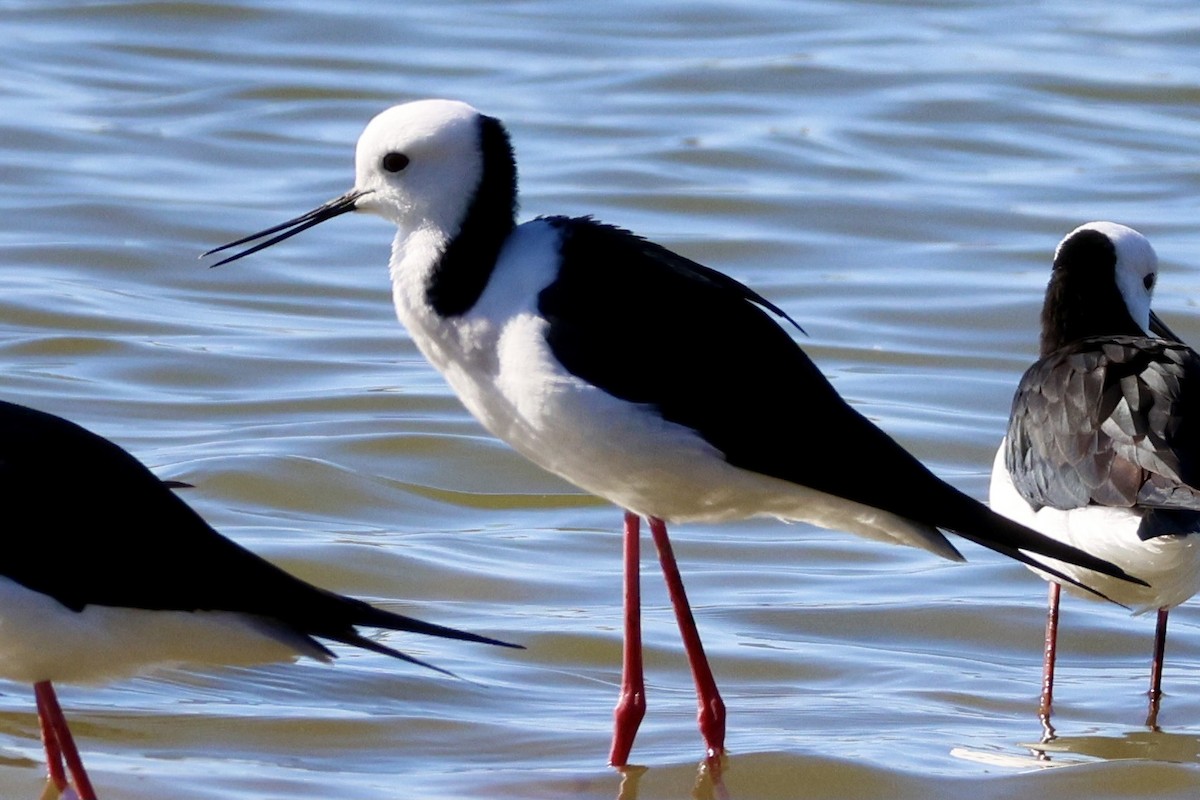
[334, 208]
[1159, 328]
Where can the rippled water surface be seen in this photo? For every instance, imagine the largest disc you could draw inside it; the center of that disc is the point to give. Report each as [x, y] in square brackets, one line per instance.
[894, 175]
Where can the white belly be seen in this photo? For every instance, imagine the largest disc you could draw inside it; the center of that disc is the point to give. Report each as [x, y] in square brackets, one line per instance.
[497, 359]
[40, 639]
[1170, 564]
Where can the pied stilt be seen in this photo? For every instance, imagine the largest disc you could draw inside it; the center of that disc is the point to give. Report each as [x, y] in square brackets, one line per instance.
[106, 572]
[1099, 452]
[629, 370]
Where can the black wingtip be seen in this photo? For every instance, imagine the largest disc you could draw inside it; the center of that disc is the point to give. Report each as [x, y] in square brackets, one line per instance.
[355, 639]
[441, 631]
[982, 525]
[375, 647]
[985, 527]
[368, 616]
[1093, 563]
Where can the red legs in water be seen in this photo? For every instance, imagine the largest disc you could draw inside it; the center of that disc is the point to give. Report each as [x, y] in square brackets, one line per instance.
[632, 703]
[54, 761]
[627, 717]
[1048, 662]
[1156, 668]
[59, 744]
[1156, 665]
[711, 711]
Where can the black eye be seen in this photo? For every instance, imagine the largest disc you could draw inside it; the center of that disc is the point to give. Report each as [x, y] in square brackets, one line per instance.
[394, 162]
[1148, 282]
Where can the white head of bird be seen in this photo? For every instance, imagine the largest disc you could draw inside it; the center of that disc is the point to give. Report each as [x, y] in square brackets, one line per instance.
[413, 162]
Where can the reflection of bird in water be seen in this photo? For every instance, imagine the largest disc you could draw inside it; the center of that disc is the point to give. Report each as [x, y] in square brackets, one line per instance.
[1074, 751]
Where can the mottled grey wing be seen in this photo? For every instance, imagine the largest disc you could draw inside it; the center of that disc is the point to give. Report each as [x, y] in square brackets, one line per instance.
[1105, 421]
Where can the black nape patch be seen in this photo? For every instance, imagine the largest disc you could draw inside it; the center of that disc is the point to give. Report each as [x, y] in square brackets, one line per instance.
[462, 273]
[1082, 298]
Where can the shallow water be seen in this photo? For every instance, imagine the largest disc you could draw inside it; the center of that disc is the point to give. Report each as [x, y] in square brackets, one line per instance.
[894, 175]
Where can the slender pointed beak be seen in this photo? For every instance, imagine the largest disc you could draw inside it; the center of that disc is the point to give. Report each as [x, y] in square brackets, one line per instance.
[285, 230]
[1160, 329]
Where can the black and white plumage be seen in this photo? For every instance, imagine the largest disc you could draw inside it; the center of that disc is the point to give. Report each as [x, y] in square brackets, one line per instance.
[627, 369]
[107, 572]
[1103, 443]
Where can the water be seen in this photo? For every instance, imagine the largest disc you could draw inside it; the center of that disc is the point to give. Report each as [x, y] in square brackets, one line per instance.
[894, 175]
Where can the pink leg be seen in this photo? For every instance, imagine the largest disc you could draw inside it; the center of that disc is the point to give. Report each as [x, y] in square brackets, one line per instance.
[53, 722]
[1156, 667]
[712, 708]
[1048, 658]
[54, 762]
[631, 706]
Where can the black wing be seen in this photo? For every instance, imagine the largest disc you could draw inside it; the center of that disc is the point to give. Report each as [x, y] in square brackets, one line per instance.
[650, 326]
[1110, 421]
[115, 535]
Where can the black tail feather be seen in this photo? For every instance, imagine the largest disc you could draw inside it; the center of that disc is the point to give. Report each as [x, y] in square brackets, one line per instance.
[1007, 537]
[352, 614]
[372, 617]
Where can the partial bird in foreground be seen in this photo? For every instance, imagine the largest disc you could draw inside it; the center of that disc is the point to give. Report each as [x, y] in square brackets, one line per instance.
[1103, 443]
[107, 572]
[630, 371]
